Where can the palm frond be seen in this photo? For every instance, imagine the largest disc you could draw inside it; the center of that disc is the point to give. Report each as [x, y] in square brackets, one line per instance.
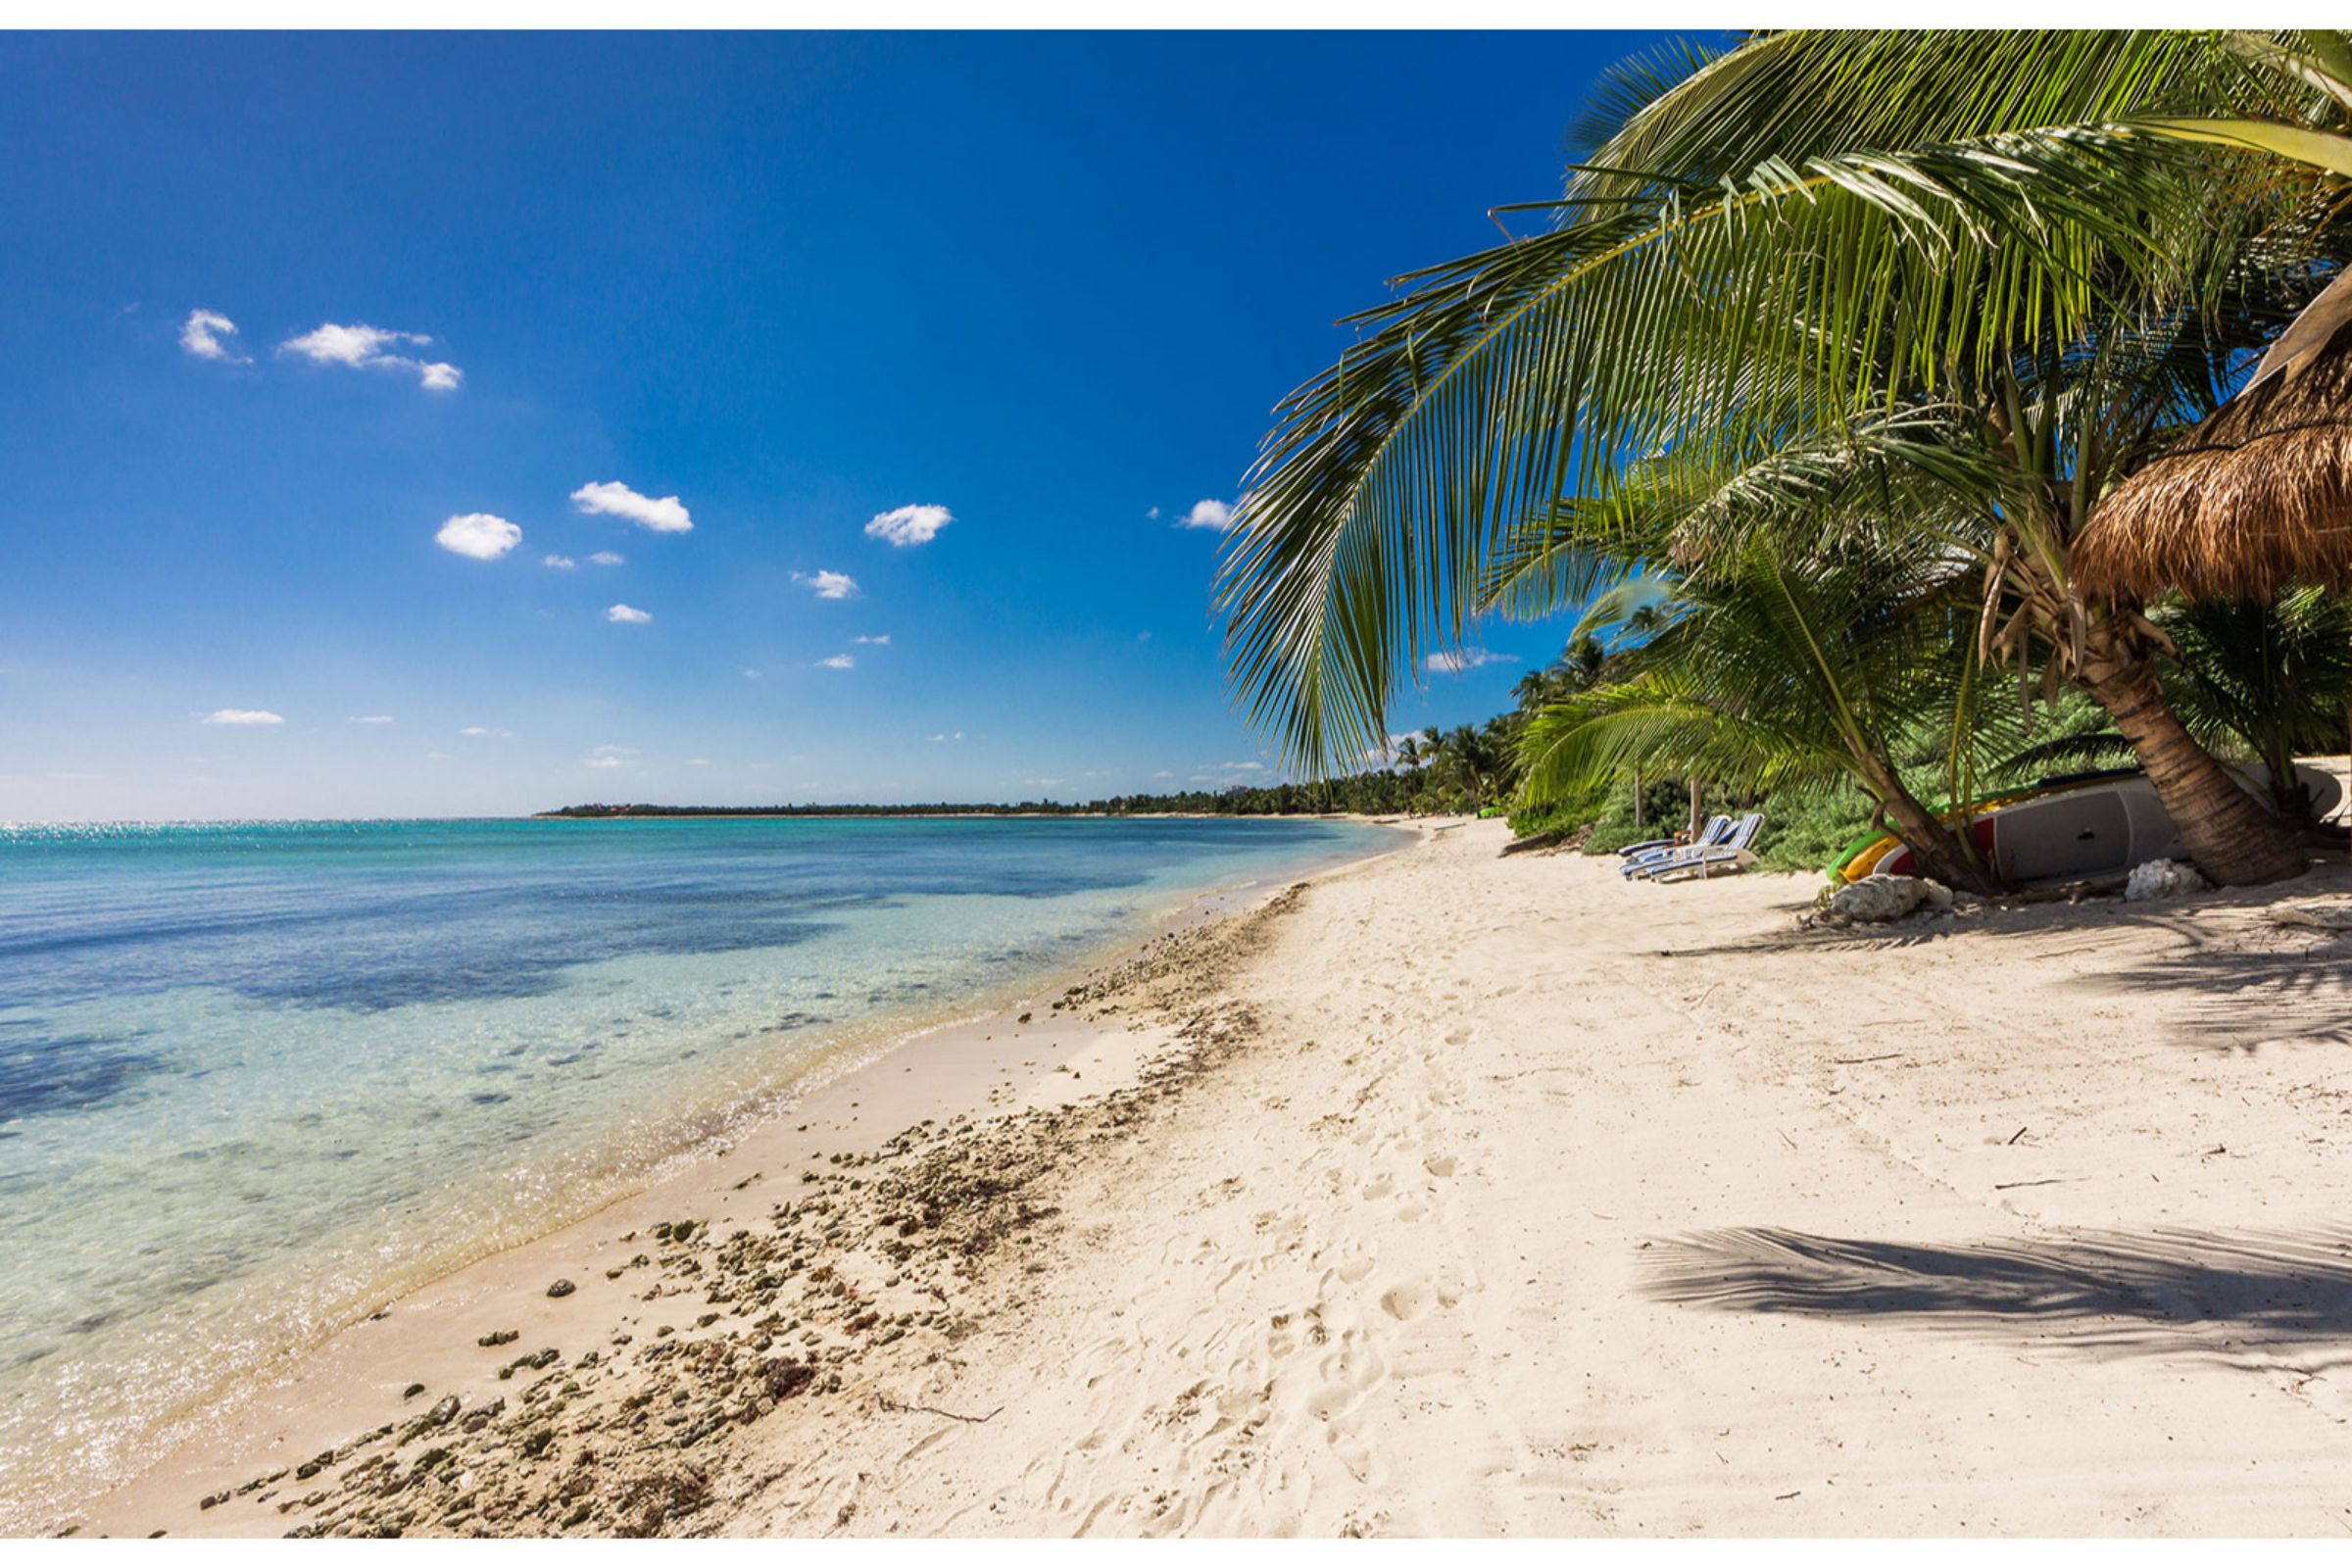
[1663, 724]
[1504, 384]
[1800, 93]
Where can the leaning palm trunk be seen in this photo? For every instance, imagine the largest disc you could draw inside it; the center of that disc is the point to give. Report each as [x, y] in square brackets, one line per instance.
[2232, 839]
[1941, 849]
[2228, 834]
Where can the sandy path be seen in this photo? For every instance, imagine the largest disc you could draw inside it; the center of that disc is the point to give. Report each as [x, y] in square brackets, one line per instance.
[1509, 1225]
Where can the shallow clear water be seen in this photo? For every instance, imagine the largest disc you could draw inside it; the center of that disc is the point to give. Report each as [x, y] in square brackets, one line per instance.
[255, 1077]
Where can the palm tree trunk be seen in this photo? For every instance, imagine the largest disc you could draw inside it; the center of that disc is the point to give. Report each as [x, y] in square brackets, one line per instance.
[1935, 843]
[2230, 837]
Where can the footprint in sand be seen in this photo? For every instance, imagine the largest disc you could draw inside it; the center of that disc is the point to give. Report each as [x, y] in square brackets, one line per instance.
[1330, 1401]
[1407, 1301]
[1348, 1372]
[1438, 1165]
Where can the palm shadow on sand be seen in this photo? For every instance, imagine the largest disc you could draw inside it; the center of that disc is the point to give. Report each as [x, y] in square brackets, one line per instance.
[2236, 996]
[2247, 1297]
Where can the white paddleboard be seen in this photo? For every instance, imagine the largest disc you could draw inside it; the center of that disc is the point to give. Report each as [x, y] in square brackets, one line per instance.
[2101, 829]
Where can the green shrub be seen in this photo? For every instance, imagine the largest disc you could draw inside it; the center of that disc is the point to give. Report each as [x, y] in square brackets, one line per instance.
[1557, 817]
[1805, 831]
[1666, 810]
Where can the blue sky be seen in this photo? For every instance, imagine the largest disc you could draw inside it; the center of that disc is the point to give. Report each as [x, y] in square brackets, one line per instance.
[1047, 283]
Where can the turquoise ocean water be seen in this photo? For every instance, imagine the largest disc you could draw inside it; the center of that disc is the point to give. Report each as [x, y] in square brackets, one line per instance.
[255, 1078]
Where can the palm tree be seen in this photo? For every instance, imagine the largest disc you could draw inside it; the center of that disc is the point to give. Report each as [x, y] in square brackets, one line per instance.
[2002, 264]
[2255, 680]
[1776, 674]
[1466, 760]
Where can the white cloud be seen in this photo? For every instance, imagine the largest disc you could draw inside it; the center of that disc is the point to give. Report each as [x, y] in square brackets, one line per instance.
[1163, 772]
[1242, 767]
[561, 562]
[1207, 514]
[478, 535]
[611, 756]
[749, 673]
[698, 761]
[201, 334]
[1454, 662]
[613, 499]
[479, 730]
[627, 615]
[938, 740]
[907, 526]
[368, 718]
[355, 346]
[242, 715]
[607, 557]
[1154, 514]
[837, 661]
[363, 348]
[828, 584]
[882, 641]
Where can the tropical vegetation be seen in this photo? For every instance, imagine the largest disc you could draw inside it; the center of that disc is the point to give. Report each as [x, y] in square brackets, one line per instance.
[1839, 340]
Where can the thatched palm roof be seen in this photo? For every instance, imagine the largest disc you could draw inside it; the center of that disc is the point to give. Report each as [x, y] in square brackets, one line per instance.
[2258, 495]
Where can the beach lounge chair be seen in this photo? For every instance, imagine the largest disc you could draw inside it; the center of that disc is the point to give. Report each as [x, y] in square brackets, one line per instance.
[1733, 853]
[1716, 827]
[1642, 859]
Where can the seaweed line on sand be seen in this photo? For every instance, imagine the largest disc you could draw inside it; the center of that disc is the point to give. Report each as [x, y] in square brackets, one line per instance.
[918, 1243]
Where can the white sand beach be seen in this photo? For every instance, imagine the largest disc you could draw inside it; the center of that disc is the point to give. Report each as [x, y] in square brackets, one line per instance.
[1470, 1196]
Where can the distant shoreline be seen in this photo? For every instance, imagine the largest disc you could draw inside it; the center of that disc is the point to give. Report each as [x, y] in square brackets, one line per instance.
[603, 814]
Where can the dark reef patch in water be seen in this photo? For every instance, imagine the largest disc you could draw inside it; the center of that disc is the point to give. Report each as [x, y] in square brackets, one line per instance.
[495, 972]
[41, 1074]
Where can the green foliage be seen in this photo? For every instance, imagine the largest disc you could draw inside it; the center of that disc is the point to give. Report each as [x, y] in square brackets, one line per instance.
[1806, 829]
[2074, 735]
[1529, 817]
[2264, 682]
[1776, 248]
[1665, 811]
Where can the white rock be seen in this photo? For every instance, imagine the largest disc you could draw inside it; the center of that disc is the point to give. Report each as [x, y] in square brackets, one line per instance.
[1937, 894]
[1879, 898]
[2162, 879]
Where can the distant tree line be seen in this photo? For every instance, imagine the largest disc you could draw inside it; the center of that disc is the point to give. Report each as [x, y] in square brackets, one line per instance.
[1469, 769]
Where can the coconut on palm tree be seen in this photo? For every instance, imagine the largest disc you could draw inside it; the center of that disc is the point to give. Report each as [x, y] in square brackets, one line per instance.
[1996, 264]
